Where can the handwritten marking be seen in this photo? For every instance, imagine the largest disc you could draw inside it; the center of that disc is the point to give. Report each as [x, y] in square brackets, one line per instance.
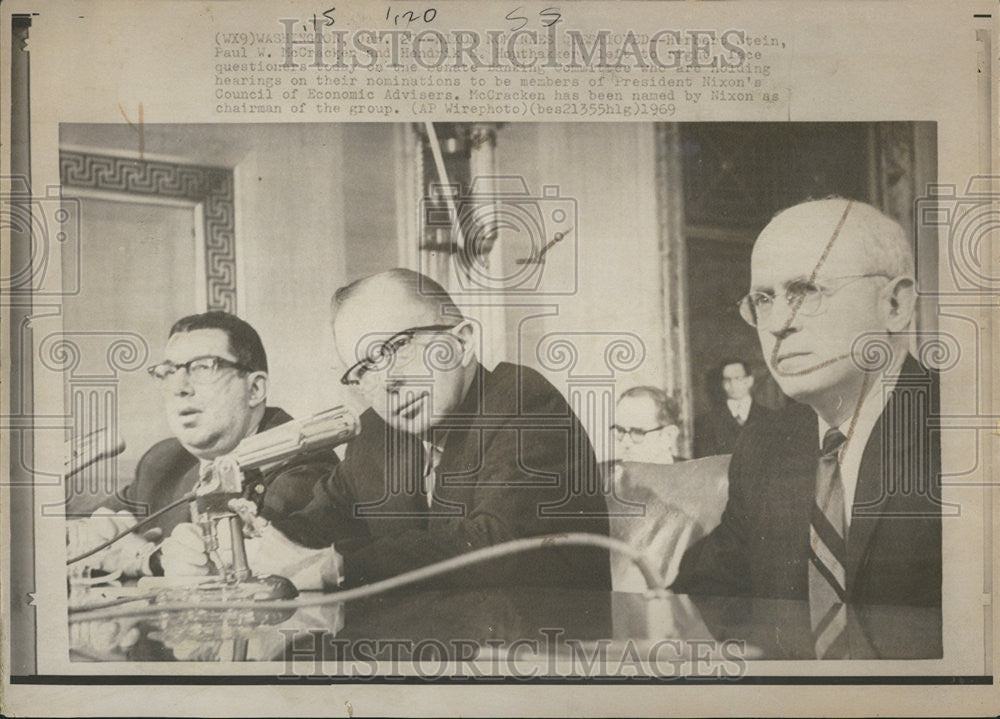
[540, 257]
[140, 128]
[799, 300]
[550, 15]
[427, 16]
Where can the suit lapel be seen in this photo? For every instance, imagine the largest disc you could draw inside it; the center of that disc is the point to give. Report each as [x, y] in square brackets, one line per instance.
[788, 495]
[888, 467]
[870, 495]
[273, 417]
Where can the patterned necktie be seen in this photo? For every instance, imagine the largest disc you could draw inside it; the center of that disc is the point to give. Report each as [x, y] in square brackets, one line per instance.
[827, 556]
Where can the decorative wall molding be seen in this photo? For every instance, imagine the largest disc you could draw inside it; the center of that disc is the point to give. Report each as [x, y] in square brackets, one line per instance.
[210, 187]
[671, 218]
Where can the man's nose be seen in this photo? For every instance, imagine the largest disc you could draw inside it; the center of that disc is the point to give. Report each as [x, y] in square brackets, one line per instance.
[784, 319]
[181, 383]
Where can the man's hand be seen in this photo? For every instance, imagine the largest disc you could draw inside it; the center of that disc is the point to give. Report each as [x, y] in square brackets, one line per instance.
[130, 554]
[270, 553]
[109, 639]
[274, 553]
[183, 552]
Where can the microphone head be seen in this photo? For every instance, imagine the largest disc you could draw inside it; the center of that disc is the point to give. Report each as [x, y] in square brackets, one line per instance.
[324, 430]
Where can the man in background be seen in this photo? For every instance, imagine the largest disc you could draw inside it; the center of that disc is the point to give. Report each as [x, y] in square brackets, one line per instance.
[646, 431]
[214, 382]
[718, 430]
[646, 426]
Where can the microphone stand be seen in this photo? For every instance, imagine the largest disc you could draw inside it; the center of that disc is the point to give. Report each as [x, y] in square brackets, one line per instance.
[220, 488]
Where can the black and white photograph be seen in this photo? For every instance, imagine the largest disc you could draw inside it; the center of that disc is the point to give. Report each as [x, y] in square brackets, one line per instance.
[589, 382]
[512, 269]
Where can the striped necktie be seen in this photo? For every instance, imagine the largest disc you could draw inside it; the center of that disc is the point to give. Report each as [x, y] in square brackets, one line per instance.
[828, 552]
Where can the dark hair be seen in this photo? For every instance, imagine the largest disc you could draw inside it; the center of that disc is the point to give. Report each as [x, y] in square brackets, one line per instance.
[420, 287]
[728, 361]
[667, 411]
[244, 342]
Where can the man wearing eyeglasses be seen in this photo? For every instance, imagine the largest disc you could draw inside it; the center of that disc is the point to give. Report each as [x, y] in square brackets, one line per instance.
[451, 457]
[214, 383]
[838, 503]
[717, 431]
[645, 427]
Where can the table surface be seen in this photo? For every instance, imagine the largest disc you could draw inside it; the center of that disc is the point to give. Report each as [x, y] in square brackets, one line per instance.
[554, 621]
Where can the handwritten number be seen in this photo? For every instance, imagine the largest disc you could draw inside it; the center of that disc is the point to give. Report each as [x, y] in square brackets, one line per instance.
[510, 16]
[410, 17]
[550, 12]
[327, 23]
[550, 16]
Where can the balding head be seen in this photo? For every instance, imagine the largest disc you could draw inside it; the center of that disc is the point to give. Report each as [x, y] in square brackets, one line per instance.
[400, 288]
[415, 349]
[840, 273]
[876, 241]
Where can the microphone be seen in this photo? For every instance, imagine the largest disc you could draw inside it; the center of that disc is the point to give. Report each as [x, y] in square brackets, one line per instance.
[326, 429]
[93, 447]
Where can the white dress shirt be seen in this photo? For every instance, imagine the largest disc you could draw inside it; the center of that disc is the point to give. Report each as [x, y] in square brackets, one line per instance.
[434, 453]
[740, 408]
[857, 436]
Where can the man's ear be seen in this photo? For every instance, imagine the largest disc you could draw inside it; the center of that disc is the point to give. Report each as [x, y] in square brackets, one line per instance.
[898, 302]
[671, 434]
[468, 335]
[256, 388]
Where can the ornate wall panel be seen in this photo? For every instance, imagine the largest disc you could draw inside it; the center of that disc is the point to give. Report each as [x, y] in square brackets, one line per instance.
[210, 187]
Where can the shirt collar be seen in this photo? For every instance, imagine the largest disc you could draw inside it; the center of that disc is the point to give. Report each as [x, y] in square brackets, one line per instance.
[858, 426]
[739, 406]
[434, 449]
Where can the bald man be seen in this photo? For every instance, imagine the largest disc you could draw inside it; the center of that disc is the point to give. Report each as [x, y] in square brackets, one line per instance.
[837, 502]
[451, 457]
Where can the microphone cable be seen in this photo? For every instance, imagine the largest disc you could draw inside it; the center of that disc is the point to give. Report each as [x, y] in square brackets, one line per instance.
[654, 581]
[125, 532]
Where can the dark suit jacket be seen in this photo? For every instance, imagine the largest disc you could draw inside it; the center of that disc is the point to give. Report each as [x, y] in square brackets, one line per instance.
[167, 472]
[894, 543]
[516, 463]
[717, 432]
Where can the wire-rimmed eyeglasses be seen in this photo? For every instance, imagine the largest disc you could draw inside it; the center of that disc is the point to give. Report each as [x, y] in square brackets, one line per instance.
[803, 297]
